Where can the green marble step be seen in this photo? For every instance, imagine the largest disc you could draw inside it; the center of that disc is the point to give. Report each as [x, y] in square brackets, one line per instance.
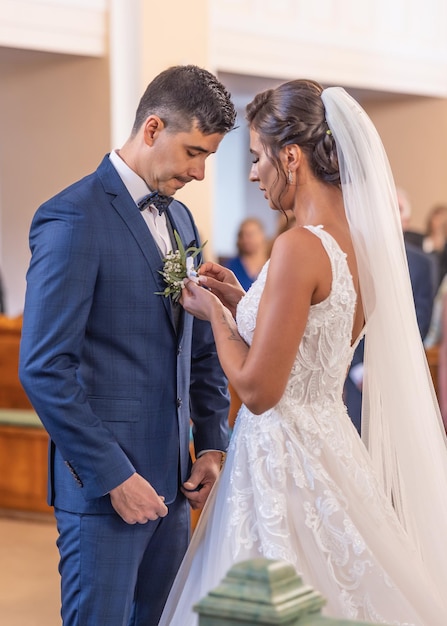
[265, 593]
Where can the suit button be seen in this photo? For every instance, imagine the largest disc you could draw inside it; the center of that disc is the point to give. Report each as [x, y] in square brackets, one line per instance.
[179, 350]
[179, 402]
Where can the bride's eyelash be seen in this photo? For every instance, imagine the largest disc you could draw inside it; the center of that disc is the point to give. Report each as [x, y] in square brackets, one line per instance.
[255, 160]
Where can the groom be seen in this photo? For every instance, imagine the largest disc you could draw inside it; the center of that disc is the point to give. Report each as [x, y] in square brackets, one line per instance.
[116, 372]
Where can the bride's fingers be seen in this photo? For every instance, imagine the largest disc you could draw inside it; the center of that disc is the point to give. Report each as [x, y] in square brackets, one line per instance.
[211, 283]
[211, 268]
[214, 271]
[190, 285]
[188, 292]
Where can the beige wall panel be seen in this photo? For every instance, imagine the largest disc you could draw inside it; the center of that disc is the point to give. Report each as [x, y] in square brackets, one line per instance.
[414, 132]
[54, 128]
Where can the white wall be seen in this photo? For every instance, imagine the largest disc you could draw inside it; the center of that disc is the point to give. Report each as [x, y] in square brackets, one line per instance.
[389, 45]
[64, 26]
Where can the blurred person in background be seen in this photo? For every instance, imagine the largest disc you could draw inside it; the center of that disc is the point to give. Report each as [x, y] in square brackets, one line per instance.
[434, 240]
[252, 252]
[423, 276]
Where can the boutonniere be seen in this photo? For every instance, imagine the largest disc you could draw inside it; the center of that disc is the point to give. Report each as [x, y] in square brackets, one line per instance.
[177, 266]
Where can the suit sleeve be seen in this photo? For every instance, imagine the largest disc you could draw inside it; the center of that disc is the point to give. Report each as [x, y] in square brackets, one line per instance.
[209, 392]
[60, 287]
[209, 396]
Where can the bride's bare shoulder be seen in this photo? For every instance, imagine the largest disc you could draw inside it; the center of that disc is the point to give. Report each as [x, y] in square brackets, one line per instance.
[298, 241]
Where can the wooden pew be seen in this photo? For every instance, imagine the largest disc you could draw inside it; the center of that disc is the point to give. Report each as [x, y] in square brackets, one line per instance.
[12, 395]
[23, 440]
[23, 461]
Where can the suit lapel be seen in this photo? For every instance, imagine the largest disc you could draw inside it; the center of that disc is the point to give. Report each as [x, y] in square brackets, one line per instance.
[181, 222]
[123, 204]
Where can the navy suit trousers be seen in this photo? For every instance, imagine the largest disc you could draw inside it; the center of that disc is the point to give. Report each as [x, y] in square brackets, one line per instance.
[105, 582]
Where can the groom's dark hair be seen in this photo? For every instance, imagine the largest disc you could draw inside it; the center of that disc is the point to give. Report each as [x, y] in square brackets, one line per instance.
[183, 94]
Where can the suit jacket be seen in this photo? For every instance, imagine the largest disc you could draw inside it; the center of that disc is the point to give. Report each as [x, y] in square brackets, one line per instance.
[422, 276]
[438, 258]
[113, 380]
[423, 283]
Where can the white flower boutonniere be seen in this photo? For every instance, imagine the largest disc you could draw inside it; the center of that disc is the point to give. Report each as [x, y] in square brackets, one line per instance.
[178, 265]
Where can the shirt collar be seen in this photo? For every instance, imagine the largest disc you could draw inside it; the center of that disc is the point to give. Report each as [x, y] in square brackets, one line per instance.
[135, 185]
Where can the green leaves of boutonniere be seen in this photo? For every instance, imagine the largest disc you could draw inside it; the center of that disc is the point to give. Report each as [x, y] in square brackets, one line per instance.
[177, 266]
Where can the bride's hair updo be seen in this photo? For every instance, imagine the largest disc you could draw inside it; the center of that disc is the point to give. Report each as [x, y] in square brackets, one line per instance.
[293, 113]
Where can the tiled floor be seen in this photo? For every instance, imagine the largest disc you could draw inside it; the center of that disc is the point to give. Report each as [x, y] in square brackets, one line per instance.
[29, 580]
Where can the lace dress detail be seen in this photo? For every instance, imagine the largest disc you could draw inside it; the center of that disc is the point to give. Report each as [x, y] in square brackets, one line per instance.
[298, 486]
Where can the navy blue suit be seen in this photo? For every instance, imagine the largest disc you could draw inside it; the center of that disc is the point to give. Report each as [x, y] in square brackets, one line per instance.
[423, 279]
[115, 382]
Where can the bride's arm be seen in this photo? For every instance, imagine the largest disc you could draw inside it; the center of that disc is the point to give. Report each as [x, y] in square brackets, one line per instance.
[299, 274]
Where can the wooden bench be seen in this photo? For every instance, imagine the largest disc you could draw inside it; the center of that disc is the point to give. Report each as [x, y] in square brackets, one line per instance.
[23, 461]
[12, 394]
[23, 440]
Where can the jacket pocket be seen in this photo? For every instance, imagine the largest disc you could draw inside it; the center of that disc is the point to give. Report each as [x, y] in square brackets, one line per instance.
[110, 409]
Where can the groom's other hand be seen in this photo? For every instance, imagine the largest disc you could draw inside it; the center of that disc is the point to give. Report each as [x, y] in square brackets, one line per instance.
[204, 473]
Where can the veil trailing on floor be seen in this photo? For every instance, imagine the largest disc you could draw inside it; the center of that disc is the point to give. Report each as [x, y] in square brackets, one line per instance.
[401, 422]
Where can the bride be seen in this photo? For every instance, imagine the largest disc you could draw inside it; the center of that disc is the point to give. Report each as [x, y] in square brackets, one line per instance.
[366, 526]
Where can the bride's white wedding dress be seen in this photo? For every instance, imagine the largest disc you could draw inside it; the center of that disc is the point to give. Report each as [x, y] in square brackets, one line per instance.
[298, 486]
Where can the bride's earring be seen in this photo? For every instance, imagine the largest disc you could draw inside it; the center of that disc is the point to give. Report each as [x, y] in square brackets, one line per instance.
[290, 177]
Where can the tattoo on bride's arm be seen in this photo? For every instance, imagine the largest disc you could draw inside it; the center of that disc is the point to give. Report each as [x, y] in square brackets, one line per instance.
[233, 336]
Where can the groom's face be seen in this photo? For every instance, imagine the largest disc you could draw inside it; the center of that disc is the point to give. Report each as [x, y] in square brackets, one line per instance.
[176, 158]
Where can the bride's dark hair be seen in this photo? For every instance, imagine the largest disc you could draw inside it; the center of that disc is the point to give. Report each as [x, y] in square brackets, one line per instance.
[293, 113]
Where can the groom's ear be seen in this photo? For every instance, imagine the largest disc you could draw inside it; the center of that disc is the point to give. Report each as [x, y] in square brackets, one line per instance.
[152, 128]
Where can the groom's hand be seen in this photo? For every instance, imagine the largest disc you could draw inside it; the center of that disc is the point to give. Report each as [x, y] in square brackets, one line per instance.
[137, 502]
[204, 473]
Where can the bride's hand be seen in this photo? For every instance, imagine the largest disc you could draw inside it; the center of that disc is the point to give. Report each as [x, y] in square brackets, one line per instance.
[198, 301]
[223, 283]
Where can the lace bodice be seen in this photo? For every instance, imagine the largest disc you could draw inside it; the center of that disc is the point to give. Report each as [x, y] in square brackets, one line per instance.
[325, 351]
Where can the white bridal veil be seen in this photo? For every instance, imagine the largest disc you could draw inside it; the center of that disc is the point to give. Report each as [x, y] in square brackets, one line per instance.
[401, 420]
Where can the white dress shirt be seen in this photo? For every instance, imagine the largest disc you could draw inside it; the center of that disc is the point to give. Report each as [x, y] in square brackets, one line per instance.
[138, 189]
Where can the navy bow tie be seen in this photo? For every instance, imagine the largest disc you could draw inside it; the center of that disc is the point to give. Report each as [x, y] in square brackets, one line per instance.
[157, 200]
